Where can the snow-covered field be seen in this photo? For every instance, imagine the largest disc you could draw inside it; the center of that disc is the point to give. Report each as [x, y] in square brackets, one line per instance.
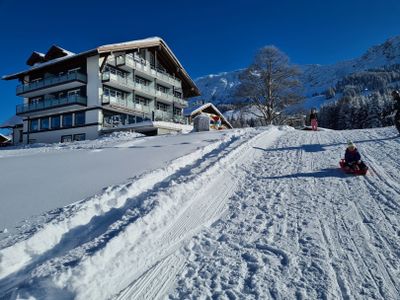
[243, 214]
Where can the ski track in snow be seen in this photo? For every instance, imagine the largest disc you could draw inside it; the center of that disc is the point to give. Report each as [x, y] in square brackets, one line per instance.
[259, 214]
[298, 228]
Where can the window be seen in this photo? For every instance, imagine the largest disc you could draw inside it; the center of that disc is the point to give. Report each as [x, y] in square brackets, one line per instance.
[178, 94]
[142, 100]
[35, 100]
[21, 136]
[74, 93]
[142, 53]
[142, 81]
[152, 60]
[44, 123]
[79, 137]
[80, 118]
[55, 122]
[178, 111]
[66, 138]
[162, 106]
[34, 125]
[67, 120]
[162, 88]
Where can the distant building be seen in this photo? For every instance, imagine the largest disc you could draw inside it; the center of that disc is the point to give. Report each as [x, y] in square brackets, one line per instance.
[15, 124]
[4, 140]
[217, 119]
[138, 85]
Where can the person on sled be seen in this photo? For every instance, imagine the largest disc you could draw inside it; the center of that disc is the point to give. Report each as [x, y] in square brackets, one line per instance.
[353, 158]
[314, 119]
[396, 98]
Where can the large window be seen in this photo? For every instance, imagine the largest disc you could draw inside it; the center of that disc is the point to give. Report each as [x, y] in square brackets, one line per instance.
[34, 125]
[55, 122]
[44, 123]
[80, 118]
[67, 120]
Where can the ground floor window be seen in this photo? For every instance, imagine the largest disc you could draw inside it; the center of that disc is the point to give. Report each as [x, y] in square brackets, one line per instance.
[55, 122]
[44, 123]
[80, 118]
[34, 125]
[113, 119]
[79, 137]
[66, 138]
[67, 120]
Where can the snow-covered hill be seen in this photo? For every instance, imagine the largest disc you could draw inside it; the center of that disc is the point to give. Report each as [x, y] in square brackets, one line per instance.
[244, 214]
[317, 79]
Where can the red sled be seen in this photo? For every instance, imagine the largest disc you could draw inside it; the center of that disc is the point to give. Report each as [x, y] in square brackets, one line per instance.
[352, 171]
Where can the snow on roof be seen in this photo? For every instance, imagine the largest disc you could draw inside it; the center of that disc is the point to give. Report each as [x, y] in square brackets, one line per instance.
[5, 137]
[143, 43]
[12, 122]
[132, 44]
[190, 111]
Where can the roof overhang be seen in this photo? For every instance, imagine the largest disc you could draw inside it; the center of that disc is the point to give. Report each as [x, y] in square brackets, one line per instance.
[162, 47]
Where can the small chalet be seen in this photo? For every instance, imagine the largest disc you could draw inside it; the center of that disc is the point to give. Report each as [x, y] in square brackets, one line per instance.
[4, 140]
[15, 124]
[217, 119]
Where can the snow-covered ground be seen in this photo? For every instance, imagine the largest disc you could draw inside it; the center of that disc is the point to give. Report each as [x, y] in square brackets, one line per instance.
[243, 214]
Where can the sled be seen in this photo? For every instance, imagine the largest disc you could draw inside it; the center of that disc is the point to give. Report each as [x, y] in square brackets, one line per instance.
[352, 171]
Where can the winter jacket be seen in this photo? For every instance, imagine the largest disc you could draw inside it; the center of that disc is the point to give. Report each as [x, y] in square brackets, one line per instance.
[313, 116]
[352, 156]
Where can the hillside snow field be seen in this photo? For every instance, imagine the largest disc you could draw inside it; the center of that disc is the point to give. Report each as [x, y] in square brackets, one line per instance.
[245, 214]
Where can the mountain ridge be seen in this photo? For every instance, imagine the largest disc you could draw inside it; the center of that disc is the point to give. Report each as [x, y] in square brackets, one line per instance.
[317, 78]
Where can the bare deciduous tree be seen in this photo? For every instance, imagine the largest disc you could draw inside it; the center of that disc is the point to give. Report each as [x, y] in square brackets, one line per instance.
[270, 83]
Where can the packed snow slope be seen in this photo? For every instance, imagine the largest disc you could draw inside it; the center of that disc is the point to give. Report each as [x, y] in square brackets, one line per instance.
[38, 178]
[255, 214]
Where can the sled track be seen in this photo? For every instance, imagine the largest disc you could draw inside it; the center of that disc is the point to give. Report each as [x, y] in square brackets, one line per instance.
[336, 247]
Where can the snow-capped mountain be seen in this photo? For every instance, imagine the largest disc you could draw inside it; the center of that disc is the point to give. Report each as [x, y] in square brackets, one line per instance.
[220, 88]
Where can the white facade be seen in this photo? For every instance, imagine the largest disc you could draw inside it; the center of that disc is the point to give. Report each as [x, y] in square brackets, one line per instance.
[100, 93]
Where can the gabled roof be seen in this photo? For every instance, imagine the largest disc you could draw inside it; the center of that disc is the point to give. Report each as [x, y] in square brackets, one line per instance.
[36, 57]
[57, 52]
[58, 55]
[192, 111]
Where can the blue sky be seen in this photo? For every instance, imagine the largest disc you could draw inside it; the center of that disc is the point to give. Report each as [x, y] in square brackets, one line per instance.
[207, 36]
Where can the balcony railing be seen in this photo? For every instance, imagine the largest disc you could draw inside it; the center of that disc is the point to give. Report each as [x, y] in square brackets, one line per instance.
[51, 103]
[125, 103]
[51, 81]
[181, 102]
[161, 115]
[140, 64]
[124, 81]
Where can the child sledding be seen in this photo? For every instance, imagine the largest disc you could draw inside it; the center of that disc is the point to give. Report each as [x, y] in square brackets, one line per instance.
[352, 162]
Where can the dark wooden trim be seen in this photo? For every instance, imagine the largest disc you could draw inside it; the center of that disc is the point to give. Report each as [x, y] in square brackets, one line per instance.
[103, 64]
